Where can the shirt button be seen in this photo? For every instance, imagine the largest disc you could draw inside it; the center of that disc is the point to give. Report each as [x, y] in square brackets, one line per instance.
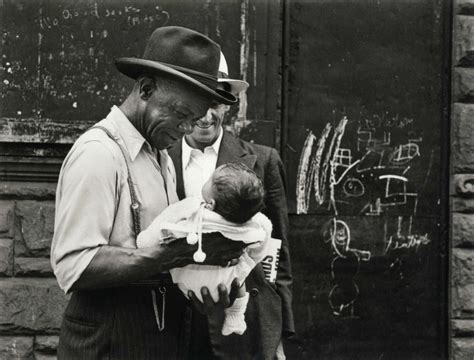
[254, 292]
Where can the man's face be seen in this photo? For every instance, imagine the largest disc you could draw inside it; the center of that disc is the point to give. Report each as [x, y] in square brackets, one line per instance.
[207, 129]
[169, 114]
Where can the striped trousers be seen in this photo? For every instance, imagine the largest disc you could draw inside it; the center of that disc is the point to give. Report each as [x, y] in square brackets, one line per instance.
[120, 323]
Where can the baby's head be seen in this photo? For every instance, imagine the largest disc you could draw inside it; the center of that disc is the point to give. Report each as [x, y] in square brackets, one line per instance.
[234, 192]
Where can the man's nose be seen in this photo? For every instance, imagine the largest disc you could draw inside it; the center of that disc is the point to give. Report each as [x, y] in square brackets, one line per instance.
[208, 116]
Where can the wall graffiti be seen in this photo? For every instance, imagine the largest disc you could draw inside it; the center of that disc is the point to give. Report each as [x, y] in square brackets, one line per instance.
[345, 290]
[380, 66]
[358, 169]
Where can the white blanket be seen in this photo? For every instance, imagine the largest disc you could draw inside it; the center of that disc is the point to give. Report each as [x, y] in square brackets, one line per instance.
[180, 219]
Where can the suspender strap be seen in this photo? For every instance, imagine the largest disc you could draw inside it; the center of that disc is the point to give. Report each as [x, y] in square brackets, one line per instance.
[135, 206]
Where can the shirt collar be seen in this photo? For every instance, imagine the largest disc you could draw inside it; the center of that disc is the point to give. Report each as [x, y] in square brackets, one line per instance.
[188, 149]
[132, 139]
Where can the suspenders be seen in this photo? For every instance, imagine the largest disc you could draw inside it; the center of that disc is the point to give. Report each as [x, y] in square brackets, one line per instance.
[135, 208]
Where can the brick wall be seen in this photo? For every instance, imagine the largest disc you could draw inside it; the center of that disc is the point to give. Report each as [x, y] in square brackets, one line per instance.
[462, 182]
[31, 304]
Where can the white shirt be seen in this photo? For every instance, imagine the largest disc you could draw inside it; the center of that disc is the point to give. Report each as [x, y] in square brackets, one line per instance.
[198, 166]
[93, 198]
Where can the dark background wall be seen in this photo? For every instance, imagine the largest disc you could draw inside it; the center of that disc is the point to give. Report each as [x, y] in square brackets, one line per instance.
[353, 93]
[366, 127]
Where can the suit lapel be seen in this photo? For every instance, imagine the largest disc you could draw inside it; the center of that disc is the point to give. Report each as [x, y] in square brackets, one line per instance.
[175, 152]
[231, 151]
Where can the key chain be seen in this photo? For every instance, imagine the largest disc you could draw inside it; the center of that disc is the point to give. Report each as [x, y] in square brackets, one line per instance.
[160, 323]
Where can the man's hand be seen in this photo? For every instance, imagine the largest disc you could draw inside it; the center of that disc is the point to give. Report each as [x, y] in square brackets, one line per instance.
[208, 306]
[219, 250]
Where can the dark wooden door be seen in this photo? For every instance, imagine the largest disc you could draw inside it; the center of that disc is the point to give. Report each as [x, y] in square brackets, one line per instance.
[366, 166]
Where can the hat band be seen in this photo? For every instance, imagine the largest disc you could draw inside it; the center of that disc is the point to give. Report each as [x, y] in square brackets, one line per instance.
[206, 79]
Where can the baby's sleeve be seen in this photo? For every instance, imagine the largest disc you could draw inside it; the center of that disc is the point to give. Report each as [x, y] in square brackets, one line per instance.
[258, 252]
[169, 223]
[243, 267]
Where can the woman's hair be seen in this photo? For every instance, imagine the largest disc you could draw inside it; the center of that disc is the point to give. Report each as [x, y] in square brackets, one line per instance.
[237, 191]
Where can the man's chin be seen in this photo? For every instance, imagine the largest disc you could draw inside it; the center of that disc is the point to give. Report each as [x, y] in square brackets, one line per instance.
[203, 139]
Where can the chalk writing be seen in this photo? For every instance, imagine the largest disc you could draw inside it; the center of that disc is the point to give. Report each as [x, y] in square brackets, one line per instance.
[368, 174]
[132, 15]
[404, 240]
[346, 174]
[353, 187]
[303, 181]
[344, 268]
[319, 187]
[407, 242]
[385, 120]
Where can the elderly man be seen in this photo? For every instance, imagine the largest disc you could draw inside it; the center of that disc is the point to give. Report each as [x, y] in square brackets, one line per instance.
[269, 316]
[115, 180]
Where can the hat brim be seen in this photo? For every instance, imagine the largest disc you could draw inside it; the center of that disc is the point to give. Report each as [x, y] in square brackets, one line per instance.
[236, 86]
[134, 67]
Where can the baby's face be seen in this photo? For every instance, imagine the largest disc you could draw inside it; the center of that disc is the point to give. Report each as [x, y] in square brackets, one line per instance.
[207, 192]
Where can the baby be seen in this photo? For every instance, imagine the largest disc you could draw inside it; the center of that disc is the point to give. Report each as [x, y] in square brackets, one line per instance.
[230, 204]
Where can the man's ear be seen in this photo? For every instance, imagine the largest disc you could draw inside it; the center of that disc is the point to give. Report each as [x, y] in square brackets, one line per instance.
[211, 204]
[146, 87]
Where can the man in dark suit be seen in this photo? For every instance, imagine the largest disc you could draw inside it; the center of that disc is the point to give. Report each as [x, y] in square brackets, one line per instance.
[269, 316]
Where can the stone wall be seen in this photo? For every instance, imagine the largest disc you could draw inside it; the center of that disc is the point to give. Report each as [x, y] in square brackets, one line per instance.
[462, 182]
[31, 304]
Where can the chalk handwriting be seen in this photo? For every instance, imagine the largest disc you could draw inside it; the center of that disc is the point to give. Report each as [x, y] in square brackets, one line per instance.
[133, 16]
[406, 242]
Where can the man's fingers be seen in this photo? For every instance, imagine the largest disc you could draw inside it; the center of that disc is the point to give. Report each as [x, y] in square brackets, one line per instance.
[234, 288]
[223, 295]
[207, 299]
[196, 303]
[233, 262]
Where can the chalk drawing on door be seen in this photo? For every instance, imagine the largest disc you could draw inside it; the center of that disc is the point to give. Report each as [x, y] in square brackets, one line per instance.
[361, 171]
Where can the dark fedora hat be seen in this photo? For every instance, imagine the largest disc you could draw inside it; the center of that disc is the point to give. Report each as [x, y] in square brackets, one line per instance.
[184, 54]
